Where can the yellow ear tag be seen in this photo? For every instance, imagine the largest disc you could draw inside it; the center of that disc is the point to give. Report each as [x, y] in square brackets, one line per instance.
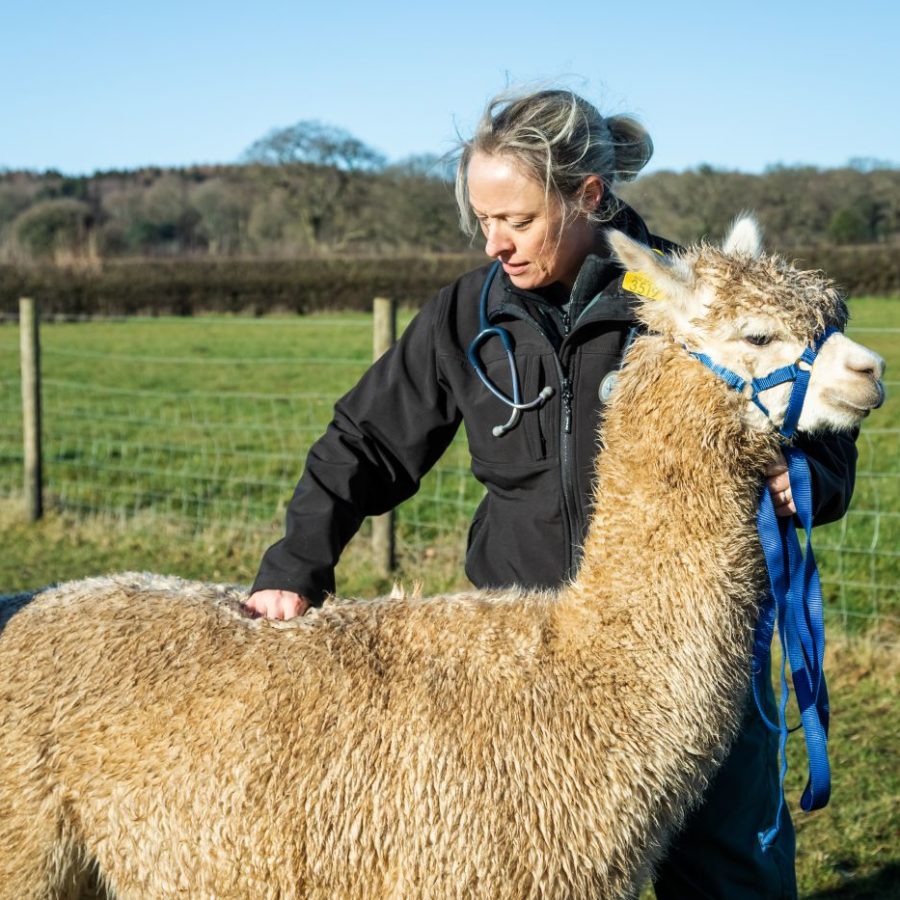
[638, 283]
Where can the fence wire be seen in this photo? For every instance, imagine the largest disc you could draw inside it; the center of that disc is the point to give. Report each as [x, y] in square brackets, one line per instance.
[209, 421]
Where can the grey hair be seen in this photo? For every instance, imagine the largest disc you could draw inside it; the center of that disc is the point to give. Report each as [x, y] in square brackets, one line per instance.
[559, 139]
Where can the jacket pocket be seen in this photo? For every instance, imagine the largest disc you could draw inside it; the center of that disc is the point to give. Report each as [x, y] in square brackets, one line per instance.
[526, 442]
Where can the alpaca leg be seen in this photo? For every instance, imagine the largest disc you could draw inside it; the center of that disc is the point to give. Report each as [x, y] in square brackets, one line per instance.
[26, 850]
[36, 865]
[31, 860]
[38, 858]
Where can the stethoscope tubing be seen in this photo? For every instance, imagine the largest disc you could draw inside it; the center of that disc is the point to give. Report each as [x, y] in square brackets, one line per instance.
[488, 331]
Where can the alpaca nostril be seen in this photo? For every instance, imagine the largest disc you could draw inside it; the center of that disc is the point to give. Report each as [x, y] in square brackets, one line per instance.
[873, 366]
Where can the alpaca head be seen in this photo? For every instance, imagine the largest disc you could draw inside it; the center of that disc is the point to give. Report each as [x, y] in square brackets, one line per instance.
[753, 313]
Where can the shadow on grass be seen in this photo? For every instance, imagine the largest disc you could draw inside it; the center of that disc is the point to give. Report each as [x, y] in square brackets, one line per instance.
[881, 885]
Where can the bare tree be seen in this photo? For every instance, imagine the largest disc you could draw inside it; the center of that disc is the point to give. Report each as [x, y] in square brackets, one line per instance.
[310, 141]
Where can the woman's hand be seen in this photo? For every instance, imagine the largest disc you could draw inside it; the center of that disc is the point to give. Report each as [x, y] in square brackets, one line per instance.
[277, 604]
[778, 483]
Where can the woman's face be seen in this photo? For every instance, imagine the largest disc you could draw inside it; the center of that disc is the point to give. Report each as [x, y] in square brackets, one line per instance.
[524, 229]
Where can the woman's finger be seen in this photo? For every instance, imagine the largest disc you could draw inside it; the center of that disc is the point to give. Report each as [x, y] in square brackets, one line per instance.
[783, 501]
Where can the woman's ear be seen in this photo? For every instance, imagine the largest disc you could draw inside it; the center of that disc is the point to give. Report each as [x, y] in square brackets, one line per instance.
[591, 193]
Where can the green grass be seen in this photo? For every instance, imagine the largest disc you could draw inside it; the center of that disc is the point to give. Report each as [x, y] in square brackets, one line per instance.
[200, 420]
[860, 556]
[850, 848]
[195, 416]
[173, 445]
[206, 422]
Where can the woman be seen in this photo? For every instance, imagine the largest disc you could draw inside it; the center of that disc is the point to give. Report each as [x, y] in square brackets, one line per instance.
[537, 177]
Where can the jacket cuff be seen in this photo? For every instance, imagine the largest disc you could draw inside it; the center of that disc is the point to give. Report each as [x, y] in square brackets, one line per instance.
[832, 469]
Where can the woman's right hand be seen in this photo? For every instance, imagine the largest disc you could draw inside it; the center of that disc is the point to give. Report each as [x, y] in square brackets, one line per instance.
[274, 604]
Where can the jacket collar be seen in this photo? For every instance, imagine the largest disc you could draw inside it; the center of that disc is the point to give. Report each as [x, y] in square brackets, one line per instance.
[597, 293]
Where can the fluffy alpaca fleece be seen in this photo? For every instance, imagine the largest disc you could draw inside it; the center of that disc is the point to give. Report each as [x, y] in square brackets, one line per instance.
[158, 741]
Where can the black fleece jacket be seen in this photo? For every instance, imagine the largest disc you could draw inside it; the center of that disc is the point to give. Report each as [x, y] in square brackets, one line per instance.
[393, 426]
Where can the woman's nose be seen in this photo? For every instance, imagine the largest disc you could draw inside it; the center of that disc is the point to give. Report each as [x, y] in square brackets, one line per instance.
[497, 241]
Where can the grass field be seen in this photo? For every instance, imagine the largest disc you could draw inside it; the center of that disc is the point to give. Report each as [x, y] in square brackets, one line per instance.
[173, 445]
[204, 424]
[201, 425]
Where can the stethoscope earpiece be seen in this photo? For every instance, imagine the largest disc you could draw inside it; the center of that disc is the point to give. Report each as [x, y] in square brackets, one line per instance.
[488, 331]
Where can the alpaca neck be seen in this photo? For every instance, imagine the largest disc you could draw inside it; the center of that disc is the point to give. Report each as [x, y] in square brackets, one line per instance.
[677, 488]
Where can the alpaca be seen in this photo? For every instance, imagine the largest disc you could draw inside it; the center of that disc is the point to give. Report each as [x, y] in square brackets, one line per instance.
[157, 741]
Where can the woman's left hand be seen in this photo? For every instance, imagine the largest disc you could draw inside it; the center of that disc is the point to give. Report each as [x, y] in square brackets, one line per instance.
[778, 483]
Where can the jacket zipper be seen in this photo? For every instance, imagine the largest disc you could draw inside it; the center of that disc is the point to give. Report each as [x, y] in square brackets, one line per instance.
[567, 476]
[566, 440]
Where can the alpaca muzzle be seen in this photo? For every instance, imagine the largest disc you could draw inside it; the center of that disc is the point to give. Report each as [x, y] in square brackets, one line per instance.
[798, 373]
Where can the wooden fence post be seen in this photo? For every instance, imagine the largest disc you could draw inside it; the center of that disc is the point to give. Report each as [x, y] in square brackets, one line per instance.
[384, 333]
[30, 353]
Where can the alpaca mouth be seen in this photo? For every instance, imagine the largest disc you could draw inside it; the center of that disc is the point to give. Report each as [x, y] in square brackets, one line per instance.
[878, 399]
[861, 406]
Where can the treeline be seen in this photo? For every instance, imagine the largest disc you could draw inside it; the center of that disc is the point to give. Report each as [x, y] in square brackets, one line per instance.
[313, 217]
[286, 208]
[797, 206]
[255, 210]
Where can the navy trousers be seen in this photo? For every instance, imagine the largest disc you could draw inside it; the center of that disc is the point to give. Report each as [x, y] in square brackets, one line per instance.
[717, 855]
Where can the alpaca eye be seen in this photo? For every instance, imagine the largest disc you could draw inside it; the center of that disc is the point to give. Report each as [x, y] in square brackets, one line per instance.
[758, 340]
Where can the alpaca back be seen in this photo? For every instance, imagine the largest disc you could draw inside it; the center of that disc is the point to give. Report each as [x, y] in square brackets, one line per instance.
[389, 734]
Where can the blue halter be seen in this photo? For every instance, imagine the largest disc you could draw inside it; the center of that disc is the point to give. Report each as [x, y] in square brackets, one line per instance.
[795, 372]
[794, 601]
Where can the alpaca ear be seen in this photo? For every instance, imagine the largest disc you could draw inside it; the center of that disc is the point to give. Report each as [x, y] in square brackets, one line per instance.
[744, 238]
[670, 276]
[664, 284]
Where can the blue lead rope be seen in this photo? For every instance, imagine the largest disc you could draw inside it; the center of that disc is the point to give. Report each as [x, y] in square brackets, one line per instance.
[795, 606]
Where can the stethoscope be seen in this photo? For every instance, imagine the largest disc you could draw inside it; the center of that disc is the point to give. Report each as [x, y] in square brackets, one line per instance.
[488, 331]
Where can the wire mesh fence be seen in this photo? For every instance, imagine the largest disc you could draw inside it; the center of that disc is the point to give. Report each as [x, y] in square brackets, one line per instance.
[202, 421]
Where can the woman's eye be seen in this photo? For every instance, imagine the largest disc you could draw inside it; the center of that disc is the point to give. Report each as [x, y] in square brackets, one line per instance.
[758, 340]
[520, 225]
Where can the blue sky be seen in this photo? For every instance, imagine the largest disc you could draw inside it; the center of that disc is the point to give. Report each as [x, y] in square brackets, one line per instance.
[97, 85]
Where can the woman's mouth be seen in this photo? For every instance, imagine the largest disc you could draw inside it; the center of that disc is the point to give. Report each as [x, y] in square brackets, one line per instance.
[514, 268]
